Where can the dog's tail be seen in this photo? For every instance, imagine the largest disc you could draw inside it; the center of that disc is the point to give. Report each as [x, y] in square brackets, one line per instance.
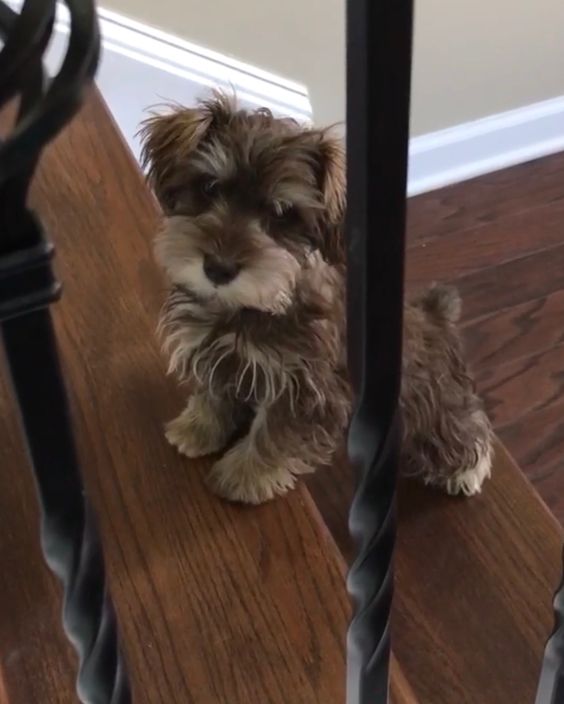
[442, 302]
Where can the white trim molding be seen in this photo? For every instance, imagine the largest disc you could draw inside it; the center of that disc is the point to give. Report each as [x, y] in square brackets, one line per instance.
[492, 143]
[209, 69]
[142, 67]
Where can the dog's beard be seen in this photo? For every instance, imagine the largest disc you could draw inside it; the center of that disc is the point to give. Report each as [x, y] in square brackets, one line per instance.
[266, 282]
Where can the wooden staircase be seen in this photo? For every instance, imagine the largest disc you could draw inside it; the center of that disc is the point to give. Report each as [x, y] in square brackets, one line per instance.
[217, 603]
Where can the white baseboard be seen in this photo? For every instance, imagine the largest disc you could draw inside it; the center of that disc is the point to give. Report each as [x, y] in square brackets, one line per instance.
[492, 143]
[142, 66]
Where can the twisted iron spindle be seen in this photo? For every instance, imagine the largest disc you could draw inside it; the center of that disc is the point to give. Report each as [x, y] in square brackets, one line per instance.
[70, 539]
[551, 683]
[379, 37]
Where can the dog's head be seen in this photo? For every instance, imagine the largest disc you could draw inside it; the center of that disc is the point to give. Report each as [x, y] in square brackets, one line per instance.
[248, 199]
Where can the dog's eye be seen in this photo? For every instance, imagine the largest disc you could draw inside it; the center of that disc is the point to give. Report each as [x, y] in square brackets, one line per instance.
[312, 242]
[209, 186]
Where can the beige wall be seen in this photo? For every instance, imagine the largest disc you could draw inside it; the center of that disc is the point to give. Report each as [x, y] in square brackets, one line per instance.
[472, 57]
[478, 57]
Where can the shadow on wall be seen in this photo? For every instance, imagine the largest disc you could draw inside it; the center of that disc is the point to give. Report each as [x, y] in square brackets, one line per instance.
[143, 68]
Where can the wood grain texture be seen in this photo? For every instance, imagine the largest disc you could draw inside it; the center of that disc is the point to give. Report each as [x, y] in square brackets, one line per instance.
[486, 199]
[468, 251]
[474, 583]
[538, 441]
[548, 481]
[218, 604]
[475, 580]
[221, 604]
[401, 692]
[514, 333]
[512, 391]
[512, 283]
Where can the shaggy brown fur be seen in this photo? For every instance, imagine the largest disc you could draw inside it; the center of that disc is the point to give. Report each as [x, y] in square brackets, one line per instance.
[253, 246]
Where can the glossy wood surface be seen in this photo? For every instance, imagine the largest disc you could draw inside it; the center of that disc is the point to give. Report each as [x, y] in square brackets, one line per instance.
[218, 604]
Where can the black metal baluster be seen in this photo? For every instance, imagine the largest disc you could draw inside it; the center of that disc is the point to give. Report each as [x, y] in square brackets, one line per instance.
[551, 684]
[379, 38]
[70, 538]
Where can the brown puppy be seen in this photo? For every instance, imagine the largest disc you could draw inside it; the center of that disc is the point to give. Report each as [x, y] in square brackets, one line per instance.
[253, 246]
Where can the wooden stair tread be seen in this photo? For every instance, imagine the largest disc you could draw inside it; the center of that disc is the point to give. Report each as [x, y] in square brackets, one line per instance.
[475, 581]
[217, 603]
[474, 584]
[220, 603]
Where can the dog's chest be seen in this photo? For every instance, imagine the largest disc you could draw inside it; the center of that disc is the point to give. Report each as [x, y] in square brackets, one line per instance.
[233, 365]
[251, 356]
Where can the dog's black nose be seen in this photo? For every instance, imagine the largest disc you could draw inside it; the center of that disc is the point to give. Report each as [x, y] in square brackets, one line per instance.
[219, 271]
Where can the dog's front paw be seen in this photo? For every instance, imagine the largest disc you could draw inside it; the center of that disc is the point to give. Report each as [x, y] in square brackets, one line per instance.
[248, 481]
[192, 439]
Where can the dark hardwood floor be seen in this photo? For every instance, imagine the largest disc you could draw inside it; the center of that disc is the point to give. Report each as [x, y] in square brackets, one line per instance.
[500, 240]
[216, 603]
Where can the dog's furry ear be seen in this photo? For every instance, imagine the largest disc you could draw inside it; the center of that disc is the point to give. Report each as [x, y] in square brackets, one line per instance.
[168, 140]
[334, 191]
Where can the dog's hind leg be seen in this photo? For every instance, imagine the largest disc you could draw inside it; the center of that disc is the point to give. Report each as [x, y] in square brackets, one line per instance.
[455, 455]
[468, 480]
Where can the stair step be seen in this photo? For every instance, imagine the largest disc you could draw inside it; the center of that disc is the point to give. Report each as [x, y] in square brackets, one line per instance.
[220, 603]
[217, 604]
[474, 584]
[475, 581]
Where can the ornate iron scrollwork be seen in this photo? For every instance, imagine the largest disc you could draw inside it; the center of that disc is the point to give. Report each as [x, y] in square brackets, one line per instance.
[69, 536]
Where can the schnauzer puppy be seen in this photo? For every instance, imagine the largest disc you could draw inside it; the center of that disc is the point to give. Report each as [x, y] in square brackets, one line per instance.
[255, 322]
